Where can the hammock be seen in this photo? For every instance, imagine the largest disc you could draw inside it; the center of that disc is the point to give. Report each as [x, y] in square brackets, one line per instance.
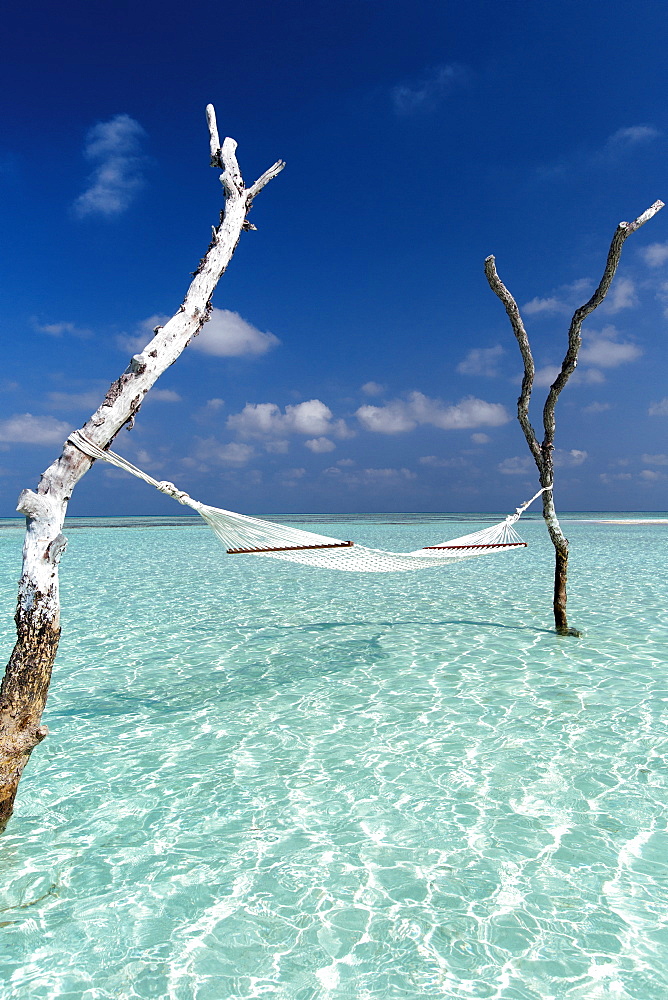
[251, 536]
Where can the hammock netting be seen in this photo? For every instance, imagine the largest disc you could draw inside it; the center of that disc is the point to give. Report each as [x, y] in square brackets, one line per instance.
[251, 536]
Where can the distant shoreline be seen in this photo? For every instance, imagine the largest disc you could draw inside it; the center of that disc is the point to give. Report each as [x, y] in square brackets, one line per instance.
[192, 520]
[626, 520]
[180, 519]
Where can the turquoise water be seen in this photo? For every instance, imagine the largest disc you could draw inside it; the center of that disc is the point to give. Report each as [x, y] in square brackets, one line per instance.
[266, 780]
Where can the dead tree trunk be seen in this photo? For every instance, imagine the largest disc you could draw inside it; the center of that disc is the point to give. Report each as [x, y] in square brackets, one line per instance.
[543, 453]
[25, 685]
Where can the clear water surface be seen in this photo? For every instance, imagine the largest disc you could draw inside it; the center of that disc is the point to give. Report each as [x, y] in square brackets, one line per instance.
[268, 780]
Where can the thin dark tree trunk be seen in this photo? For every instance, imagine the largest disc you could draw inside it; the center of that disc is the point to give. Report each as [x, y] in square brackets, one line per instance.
[543, 453]
[560, 581]
[25, 685]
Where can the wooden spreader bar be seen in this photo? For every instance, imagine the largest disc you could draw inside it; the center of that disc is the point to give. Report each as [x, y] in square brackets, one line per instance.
[291, 548]
[490, 545]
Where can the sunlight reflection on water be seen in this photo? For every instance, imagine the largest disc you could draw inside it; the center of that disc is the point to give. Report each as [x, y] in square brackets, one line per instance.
[269, 780]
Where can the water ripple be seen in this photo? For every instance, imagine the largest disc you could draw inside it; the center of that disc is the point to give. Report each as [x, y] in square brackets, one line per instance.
[270, 781]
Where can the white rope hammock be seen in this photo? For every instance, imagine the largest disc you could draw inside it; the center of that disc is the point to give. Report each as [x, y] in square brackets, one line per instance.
[250, 536]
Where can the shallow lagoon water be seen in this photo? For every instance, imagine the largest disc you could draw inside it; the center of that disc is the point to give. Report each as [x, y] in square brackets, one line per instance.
[267, 780]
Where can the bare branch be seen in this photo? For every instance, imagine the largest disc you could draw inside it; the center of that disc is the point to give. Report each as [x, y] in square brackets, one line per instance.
[517, 324]
[214, 141]
[226, 159]
[623, 231]
[645, 217]
[267, 176]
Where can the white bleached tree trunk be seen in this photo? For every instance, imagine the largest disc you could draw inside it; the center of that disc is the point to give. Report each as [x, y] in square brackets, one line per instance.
[25, 684]
[543, 453]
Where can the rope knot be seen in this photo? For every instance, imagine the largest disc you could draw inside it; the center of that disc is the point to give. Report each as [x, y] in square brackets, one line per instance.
[171, 490]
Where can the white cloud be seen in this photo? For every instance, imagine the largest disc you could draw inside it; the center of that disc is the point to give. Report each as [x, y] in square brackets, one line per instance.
[404, 415]
[515, 466]
[426, 94]
[569, 459]
[209, 413]
[608, 478]
[114, 147]
[24, 428]
[144, 333]
[261, 419]
[605, 350]
[227, 454]
[520, 466]
[58, 329]
[387, 476]
[143, 458]
[394, 418]
[551, 304]
[373, 389]
[481, 361]
[655, 459]
[320, 445]
[89, 400]
[650, 476]
[468, 413]
[227, 335]
[480, 438]
[341, 430]
[633, 135]
[565, 300]
[589, 376]
[655, 255]
[378, 478]
[162, 396]
[147, 461]
[578, 291]
[622, 295]
[662, 296]
[546, 375]
[311, 418]
[442, 463]
[596, 408]
[608, 155]
[659, 409]
[290, 477]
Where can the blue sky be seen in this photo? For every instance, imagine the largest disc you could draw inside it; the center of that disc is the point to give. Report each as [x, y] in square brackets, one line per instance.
[357, 359]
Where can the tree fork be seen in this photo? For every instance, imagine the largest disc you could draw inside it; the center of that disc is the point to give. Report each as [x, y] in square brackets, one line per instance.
[25, 685]
[542, 453]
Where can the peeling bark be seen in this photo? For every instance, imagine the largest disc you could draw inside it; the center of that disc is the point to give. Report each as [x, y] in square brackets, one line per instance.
[542, 452]
[25, 685]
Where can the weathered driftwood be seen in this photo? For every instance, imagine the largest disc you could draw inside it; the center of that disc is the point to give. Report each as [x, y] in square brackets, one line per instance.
[543, 453]
[25, 685]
